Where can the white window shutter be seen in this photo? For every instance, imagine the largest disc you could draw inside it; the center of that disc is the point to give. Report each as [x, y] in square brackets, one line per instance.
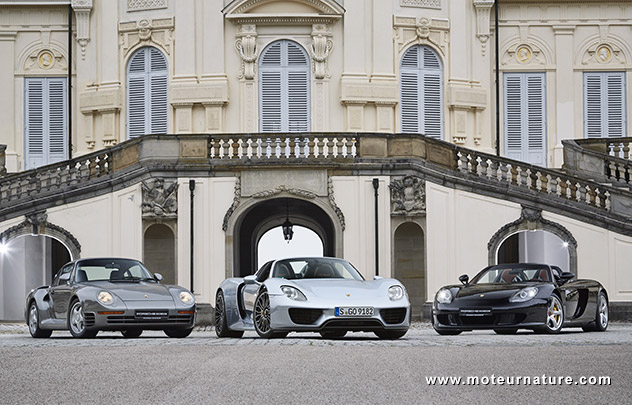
[57, 122]
[34, 128]
[284, 88]
[45, 121]
[604, 104]
[421, 92]
[525, 117]
[147, 93]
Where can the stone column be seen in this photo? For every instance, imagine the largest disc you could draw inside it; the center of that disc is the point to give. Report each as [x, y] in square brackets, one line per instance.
[565, 96]
[184, 64]
[246, 45]
[8, 134]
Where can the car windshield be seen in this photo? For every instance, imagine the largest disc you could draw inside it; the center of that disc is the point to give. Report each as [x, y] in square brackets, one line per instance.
[512, 274]
[296, 269]
[115, 270]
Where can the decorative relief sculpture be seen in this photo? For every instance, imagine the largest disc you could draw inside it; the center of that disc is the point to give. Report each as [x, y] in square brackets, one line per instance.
[523, 54]
[421, 3]
[246, 45]
[332, 202]
[159, 201]
[156, 31]
[285, 189]
[234, 205]
[45, 59]
[603, 54]
[320, 47]
[421, 31]
[82, 9]
[483, 8]
[137, 5]
[408, 196]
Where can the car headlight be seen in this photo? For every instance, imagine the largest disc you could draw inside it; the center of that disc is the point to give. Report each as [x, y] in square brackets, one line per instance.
[293, 293]
[444, 296]
[524, 295]
[105, 298]
[186, 297]
[395, 292]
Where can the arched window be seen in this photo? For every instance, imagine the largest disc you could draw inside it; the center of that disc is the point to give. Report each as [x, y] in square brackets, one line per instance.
[421, 87]
[284, 88]
[146, 93]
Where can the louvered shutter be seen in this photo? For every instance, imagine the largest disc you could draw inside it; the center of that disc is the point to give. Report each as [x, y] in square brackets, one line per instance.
[536, 152]
[34, 129]
[421, 92]
[604, 104]
[147, 96]
[45, 121]
[57, 139]
[284, 88]
[513, 116]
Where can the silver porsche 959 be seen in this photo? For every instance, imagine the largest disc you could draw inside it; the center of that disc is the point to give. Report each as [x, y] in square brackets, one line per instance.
[320, 294]
[89, 295]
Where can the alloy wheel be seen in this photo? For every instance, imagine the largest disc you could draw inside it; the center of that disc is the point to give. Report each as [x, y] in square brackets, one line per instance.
[76, 319]
[603, 312]
[33, 319]
[262, 313]
[219, 313]
[554, 314]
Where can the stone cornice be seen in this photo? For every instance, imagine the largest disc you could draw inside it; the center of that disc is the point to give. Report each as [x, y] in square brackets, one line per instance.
[282, 19]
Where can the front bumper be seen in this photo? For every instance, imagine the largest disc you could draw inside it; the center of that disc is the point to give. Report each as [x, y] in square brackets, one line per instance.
[527, 315]
[147, 316]
[289, 315]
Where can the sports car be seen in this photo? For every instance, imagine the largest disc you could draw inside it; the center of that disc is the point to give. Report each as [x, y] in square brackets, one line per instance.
[509, 297]
[317, 294]
[89, 295]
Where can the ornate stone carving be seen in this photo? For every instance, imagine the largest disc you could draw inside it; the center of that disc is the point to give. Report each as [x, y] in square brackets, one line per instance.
[334, 206]
[156, 31]
[421, 3]
[285, 189]
[45, 59]
[36, 219]
[246, 45]
[421, 31]
[82, 10]
[234, 205]
[3, 160]
[320, 47]
[483, 8]
[158, 200]
[144, 29]
[523, 54]
[408, 196]
[603, 54]
[137, 5]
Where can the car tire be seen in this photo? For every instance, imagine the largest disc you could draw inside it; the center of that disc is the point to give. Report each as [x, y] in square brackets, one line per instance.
[554, 320]
[390, 334]
[261, 317]
[178, 333]
[602, 318]
[221, 323]
[333, 334]
[33, 323]
[506, 331]
[75, 322]
[131, 333]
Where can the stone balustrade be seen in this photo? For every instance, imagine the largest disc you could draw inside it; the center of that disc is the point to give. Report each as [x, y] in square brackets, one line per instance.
[363, 153]
[604, 160]
[3, 161]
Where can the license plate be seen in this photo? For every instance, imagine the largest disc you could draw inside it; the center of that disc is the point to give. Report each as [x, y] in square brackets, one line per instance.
[476, 312]
[355, 311]
[152, 314]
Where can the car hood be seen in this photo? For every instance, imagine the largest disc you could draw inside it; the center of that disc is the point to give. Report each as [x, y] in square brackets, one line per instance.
[137, 291]
[495, 290]
[339, 288]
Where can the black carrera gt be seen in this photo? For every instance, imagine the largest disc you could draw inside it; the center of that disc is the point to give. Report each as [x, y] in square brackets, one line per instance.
[508, 297]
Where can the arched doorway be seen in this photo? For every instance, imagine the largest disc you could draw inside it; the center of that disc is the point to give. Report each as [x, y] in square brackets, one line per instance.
[410, 262]
[304, 243]
[27, 262]
[159, 252]
[269, 214]
[536, 246]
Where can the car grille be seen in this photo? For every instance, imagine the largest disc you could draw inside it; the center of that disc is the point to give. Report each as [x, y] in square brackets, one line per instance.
[303, 316]
[353, 324]
[494, 319]
[171, 319]
[393, 315]
[88, 319]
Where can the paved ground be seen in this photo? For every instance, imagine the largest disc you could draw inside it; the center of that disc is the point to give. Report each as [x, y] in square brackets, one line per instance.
[307, 369]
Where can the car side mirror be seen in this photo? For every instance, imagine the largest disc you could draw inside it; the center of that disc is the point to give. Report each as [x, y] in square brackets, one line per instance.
[158, 277]
[251, 279]
[464, 279]
[64, 278]
[377, 278]
[566, 276]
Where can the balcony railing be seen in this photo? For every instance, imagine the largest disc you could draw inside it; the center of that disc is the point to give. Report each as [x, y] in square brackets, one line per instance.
[605, 160]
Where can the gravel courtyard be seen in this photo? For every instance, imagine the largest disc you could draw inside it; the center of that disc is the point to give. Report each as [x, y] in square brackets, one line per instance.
[303, 368]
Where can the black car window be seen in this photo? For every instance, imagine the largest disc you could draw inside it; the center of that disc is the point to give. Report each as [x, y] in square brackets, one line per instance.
[64, 270]
[264, 272]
